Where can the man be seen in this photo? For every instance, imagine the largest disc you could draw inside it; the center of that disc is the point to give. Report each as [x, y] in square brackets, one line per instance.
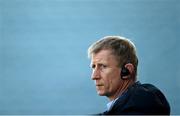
[114, 70]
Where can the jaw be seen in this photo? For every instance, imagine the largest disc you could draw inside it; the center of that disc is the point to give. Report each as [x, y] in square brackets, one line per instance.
[100, 90]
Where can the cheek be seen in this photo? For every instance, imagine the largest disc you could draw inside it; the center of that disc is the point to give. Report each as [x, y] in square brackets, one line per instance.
[110, 78]
[113, 75]
[113, 79]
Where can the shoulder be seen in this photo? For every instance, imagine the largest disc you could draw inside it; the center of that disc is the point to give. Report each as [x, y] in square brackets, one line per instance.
[143, 99]
[148, 98]
[146, 92]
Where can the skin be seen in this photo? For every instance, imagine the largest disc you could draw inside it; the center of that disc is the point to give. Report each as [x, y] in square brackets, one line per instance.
[106, 75]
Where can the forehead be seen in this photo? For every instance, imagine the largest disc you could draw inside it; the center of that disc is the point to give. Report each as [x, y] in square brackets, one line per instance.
[104, 56]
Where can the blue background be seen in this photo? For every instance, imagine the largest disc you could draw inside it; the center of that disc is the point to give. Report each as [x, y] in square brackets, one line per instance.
[44, 67]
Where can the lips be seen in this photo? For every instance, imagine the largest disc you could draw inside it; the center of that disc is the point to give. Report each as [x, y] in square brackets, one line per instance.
[99, 84]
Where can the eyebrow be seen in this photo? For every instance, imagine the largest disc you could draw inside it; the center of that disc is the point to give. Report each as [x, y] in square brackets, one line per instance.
[99, 64]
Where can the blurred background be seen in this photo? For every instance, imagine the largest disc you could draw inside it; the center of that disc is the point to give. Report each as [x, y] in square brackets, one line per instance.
[44, 67]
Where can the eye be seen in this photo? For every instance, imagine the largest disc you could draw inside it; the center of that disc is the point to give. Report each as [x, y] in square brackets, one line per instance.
[93, 66]
[103, 66]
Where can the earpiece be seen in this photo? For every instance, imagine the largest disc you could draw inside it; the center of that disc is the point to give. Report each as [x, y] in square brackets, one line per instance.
[124, 72]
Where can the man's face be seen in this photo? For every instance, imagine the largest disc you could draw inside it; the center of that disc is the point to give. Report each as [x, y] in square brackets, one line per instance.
[105, 73]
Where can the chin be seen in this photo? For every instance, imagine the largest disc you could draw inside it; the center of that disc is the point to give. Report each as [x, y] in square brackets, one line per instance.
[101, 93]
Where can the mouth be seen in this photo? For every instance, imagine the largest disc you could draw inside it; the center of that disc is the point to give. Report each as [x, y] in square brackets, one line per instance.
[99, 85]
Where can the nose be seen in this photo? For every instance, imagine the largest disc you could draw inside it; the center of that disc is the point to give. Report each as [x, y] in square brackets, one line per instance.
[95, 74]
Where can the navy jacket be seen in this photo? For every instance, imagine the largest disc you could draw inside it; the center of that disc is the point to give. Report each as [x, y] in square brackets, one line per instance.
[141, 99]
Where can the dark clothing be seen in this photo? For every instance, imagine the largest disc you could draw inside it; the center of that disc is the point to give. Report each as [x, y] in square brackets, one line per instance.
[140, 99]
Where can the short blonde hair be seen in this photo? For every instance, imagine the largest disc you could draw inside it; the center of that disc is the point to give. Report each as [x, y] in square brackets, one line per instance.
[122, 48]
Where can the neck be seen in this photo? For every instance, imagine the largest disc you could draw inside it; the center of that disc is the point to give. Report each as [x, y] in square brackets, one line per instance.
[122, 88]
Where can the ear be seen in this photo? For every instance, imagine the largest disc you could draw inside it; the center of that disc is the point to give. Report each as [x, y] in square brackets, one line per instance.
[130, 67]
